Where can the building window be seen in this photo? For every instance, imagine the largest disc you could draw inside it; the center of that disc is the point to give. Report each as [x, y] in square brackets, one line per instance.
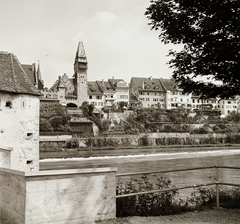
[9, 104]
[90, 97]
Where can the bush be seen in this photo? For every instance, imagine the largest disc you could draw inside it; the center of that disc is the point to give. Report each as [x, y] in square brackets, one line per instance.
[153, 204]
[233, 138]
[145, 140]
[202, 130]
[164, 203]
[206, 197]
[72, 143]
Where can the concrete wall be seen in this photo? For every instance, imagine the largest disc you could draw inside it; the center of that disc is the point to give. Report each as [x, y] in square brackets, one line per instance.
[20, 129]
[12, 196]
[5, 156]
[59, 197]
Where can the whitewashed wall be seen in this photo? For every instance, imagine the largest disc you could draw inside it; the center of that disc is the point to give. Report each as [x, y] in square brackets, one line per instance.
[19, 129]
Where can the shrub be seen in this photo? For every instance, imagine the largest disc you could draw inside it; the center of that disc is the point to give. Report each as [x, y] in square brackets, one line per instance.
[72, 143]
[206, 197]
[125, 141]
[145, 140]
[153, 204]
[164, 203]
[202, 130]
[45, 125]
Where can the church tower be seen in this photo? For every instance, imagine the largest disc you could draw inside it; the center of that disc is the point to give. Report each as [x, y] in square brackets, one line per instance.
[80, 75]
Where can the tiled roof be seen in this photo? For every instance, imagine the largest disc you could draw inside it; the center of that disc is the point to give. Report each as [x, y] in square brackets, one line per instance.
[93, 88]
[105, 86]
[169, 84]
[29, 70]
[114, 83]
[13, 77]
[149, 84]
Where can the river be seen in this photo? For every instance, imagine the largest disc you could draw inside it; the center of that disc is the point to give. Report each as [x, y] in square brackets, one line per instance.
[162, 162]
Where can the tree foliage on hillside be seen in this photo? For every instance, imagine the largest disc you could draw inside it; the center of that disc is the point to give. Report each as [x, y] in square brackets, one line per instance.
[54, 117]
[209, 31]
[88, 110]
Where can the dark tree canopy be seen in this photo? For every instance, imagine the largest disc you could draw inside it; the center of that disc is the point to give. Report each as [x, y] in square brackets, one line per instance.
[209, 31]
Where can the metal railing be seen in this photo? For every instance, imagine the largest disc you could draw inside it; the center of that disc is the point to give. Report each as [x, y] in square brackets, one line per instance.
[216, 182]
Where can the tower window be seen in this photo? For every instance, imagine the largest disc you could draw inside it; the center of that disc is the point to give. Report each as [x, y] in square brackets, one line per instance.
[9, 104]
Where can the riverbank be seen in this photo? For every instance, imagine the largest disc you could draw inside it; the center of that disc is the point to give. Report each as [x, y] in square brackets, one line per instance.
[103, 151]
[211, 216]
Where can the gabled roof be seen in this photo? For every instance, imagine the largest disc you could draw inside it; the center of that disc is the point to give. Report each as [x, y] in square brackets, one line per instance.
[13, 78]
[93, 88]
[169, 84]
[114, 83]
[104, 86]
[149, 84]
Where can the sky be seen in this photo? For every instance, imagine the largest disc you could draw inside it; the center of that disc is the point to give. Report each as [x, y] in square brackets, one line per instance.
[116, 36]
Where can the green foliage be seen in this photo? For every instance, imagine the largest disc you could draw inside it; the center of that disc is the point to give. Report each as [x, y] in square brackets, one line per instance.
[145, 141]
[206, 197]
[233, 138]
[45, 125]
[105, 125]
[153, 204]
[201, 130]
[166, 202]
[54, 117]
[232, 117]
[72, 143]
[209, 32]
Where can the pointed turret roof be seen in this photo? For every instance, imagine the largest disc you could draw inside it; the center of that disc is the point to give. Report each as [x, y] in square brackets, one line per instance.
[39, 72]
[80, 54]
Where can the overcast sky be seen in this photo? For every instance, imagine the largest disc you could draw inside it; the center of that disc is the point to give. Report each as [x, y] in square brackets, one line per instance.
[117, 40]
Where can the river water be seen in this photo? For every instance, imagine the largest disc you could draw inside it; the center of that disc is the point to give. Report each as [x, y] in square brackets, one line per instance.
[163, 162]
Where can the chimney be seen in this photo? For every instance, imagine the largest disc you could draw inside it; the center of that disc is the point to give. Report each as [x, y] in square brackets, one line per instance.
[103, 81]
[113, 80]
[150, 77]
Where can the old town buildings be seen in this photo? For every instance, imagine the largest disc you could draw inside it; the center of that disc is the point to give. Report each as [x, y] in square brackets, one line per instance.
[146, 92]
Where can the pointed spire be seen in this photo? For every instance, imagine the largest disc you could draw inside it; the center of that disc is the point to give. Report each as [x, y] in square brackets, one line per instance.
[80, 54]
[80, 50]
[40, 82]
[39, 76]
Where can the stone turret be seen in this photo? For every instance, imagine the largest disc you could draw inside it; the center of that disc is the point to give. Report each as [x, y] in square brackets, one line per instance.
[19, 115]
[80, 74]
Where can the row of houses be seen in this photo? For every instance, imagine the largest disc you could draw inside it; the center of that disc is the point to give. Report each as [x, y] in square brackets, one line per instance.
[145, 92]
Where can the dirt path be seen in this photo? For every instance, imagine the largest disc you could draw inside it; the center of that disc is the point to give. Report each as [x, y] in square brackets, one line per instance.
[218, 216]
